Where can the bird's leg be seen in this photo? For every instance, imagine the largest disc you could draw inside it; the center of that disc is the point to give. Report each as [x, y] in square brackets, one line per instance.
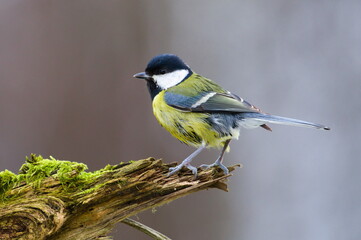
[187, 163]
[218, 162]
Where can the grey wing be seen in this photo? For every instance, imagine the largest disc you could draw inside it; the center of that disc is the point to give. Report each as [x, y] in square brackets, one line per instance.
[210, 102]
[213, 102]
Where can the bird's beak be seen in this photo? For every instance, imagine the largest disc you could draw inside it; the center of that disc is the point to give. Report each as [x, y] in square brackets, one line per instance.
[142, 75]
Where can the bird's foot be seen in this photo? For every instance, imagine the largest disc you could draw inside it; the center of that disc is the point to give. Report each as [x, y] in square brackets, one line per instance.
[177, 168]
[187, 163]
[216, 164]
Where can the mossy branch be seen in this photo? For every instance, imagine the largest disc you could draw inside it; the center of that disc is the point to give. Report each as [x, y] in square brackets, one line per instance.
[52, 199]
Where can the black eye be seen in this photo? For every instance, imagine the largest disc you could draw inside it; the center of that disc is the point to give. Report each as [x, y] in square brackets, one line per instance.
[163, 71]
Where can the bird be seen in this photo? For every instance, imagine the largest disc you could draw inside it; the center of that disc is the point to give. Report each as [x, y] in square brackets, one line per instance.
[199, 112]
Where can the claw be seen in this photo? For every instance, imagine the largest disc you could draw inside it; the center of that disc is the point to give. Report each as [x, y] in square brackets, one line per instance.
[216, 164]
[177, 168]
[206, 166]
[224, 168]
[194, 170]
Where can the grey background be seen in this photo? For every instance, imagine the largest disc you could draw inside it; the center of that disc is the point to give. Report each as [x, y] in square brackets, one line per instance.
[66, 90]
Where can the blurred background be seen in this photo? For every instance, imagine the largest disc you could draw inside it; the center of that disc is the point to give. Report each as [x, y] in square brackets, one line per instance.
[66, 90]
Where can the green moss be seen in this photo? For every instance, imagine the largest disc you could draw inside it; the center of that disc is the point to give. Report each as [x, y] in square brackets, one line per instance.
[71, 175]
[7, 181]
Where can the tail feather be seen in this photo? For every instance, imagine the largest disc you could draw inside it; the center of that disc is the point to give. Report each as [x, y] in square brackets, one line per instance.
[265, 126]
[265, 118]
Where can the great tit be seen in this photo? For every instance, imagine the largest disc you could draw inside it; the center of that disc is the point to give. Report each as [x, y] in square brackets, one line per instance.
[200, 113]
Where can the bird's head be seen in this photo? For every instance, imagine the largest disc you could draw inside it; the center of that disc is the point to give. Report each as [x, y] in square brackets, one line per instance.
[165, 71]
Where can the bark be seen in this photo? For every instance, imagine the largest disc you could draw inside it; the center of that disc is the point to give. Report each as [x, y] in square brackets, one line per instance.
[67, 205]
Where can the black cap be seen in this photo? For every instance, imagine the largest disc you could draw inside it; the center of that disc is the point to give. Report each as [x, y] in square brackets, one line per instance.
[165, 63]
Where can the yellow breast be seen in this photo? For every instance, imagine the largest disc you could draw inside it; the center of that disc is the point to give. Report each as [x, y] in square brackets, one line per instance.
[190, 128]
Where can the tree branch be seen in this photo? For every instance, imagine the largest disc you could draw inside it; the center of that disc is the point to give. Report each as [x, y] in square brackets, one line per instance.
[145, 229]
[52, 199]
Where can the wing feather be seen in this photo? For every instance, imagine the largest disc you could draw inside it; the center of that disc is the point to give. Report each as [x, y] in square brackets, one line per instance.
[210, 102]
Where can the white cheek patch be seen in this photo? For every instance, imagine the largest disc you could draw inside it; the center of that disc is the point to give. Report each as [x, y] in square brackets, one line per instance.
[171, 79]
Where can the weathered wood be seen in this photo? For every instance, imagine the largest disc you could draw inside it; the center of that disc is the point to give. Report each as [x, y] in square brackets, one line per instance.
[65, 202]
